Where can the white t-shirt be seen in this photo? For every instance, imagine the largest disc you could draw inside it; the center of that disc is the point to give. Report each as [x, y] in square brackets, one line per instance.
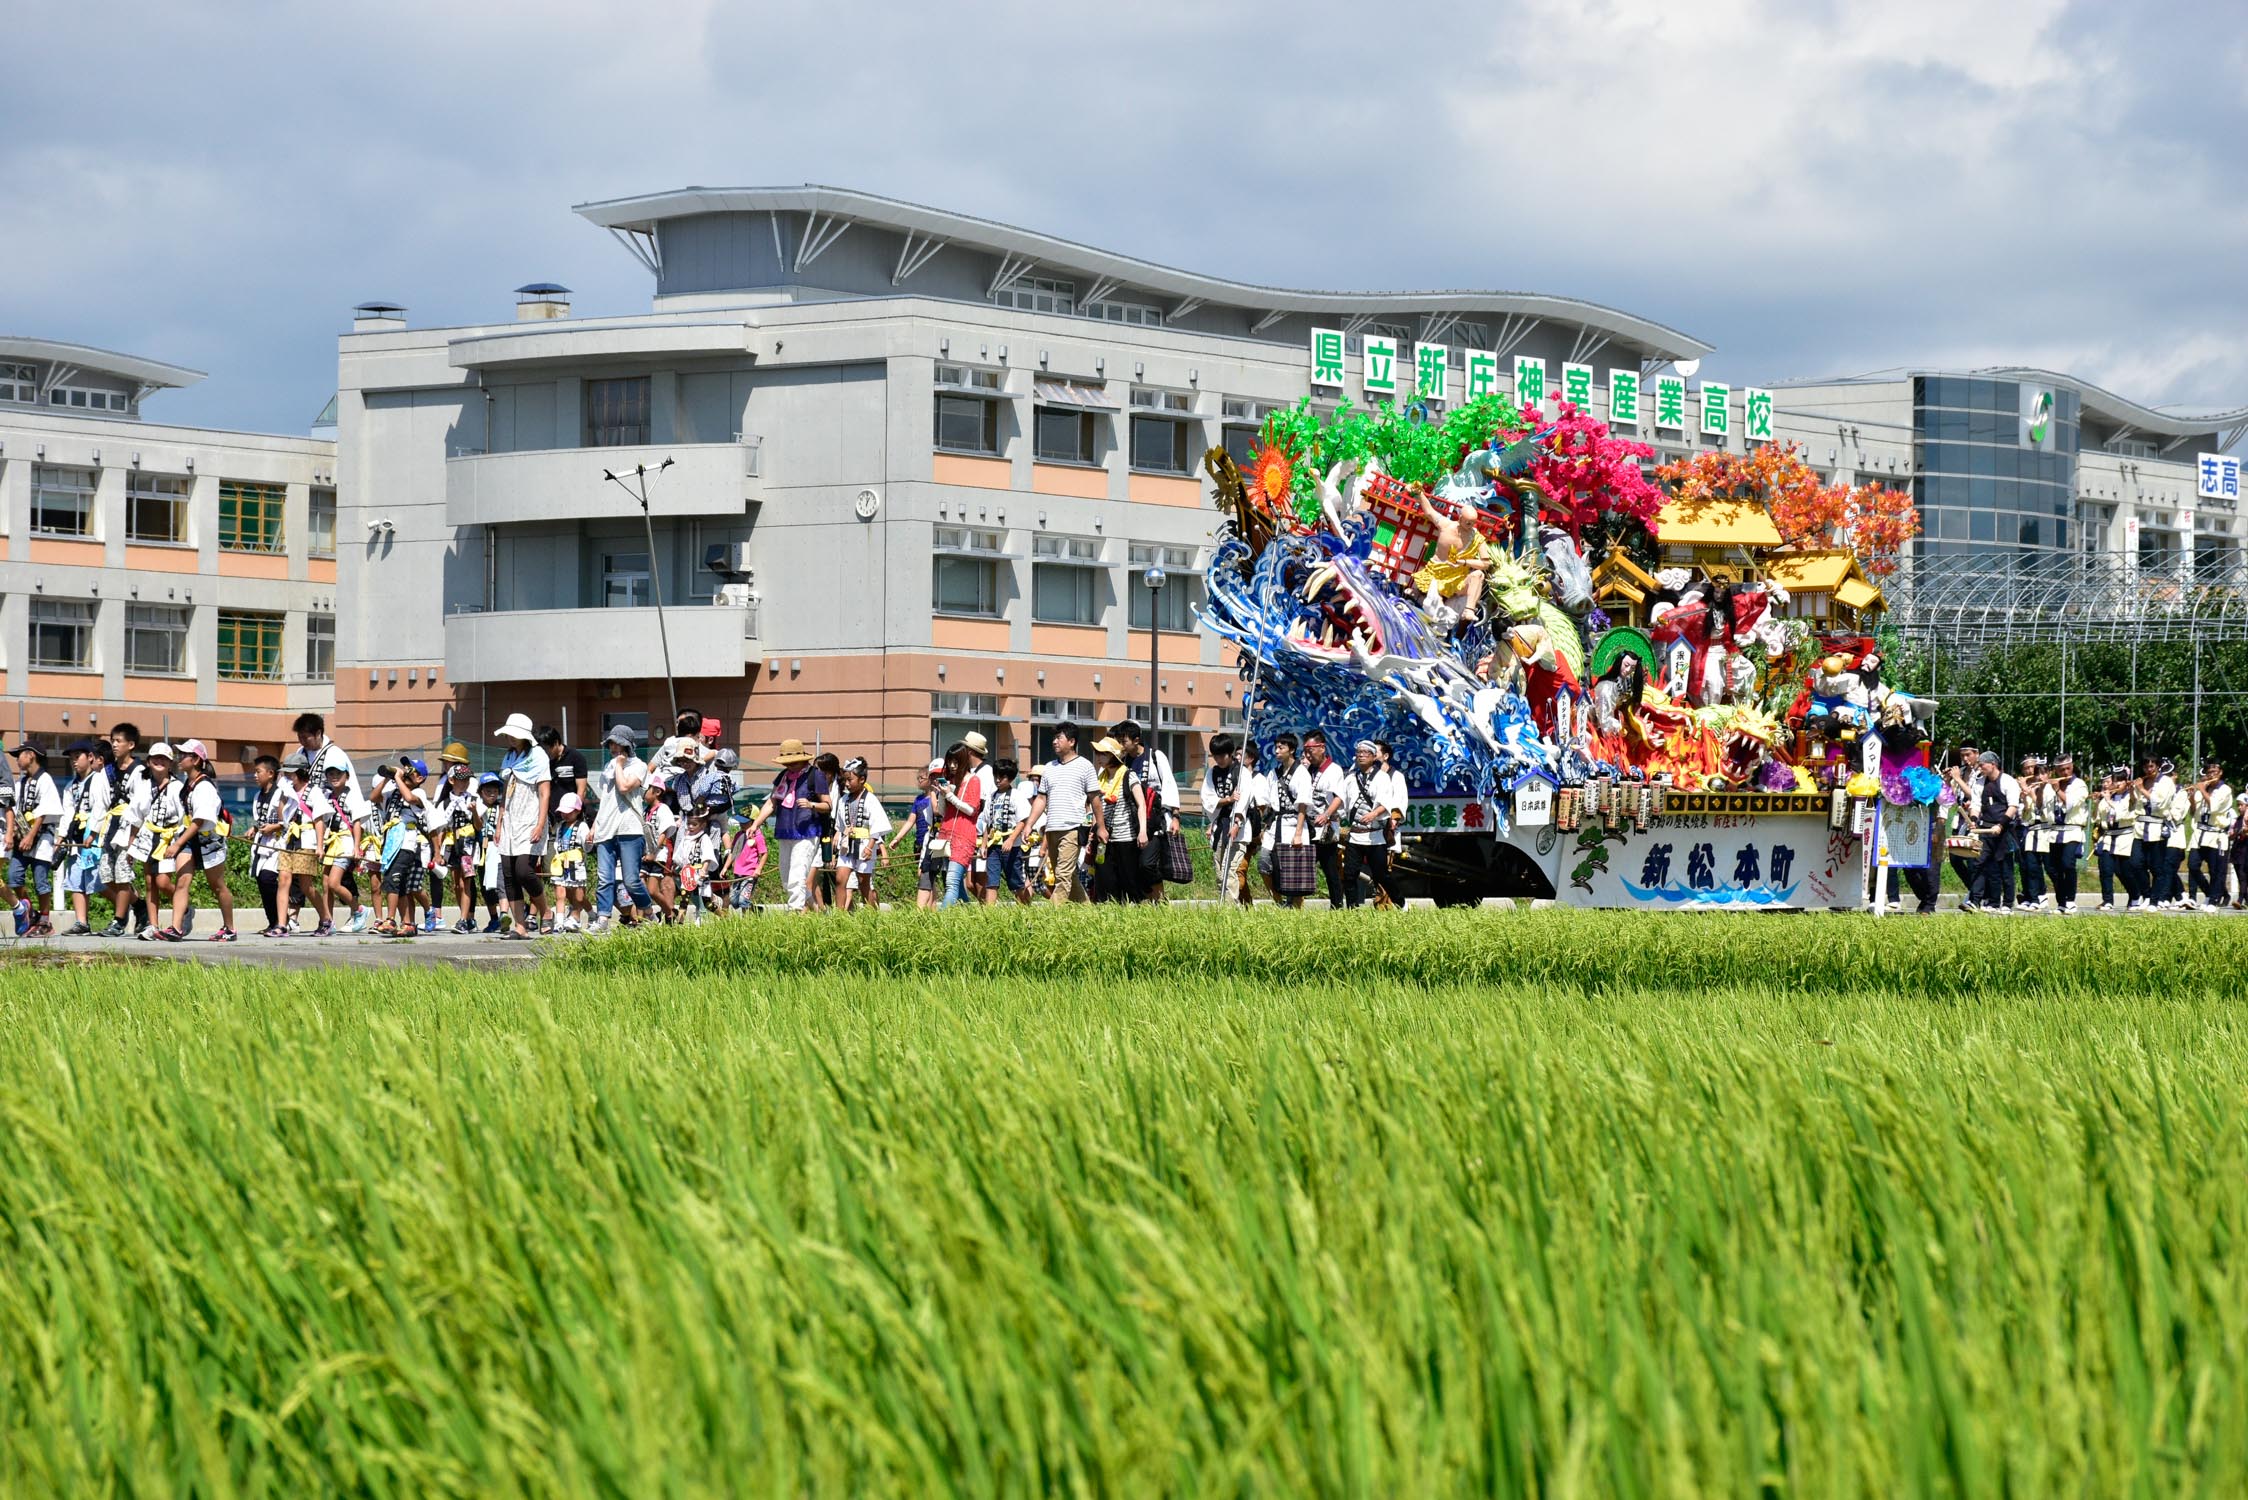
[1375, 797]
[1068, 786]
[306, 807]
[662, 823]
[522, 830]
[1326, 786]
[982, 777]
[1166, 784]
[36, 797]
[204, 806]
[331, 754]
[1396, 798]
[616, 790]
[1293, 794]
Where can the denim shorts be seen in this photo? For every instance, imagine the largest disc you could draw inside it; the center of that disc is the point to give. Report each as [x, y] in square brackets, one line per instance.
[1003, 870]
[36, 876]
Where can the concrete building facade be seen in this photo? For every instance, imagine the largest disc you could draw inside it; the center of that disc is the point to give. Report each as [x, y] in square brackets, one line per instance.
[179, 577]
[921, 468]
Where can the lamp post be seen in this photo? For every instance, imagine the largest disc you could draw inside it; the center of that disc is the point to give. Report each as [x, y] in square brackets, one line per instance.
[1155, 581]
[655, 572]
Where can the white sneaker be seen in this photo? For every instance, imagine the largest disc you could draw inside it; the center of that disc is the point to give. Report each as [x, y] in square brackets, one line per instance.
[358, 922]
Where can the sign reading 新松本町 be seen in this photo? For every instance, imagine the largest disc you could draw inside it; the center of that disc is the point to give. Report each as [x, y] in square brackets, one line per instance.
[1432, 364]
[1623, 396]
[1327, 358]
[2216, 476]
[1529, 381]
[1670, 402]
[1482, 373]
[1379, 378]
[1756, 414]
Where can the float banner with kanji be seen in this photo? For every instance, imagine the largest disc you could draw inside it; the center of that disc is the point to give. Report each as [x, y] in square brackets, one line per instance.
[1737, 862]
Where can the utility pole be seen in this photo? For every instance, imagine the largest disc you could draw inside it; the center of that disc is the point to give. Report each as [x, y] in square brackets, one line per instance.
[640, 474]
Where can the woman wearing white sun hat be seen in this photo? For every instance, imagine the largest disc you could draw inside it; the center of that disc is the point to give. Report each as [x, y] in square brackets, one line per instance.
[527, 785]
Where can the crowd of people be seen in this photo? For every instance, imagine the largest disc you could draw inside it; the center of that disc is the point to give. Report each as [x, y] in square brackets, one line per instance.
[2161, 841]
[548, 844]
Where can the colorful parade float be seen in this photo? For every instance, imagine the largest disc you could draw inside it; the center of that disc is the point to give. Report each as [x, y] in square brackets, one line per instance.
[1605, 688]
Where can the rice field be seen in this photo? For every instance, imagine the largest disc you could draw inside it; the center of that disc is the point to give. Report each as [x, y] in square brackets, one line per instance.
[1142, 1203]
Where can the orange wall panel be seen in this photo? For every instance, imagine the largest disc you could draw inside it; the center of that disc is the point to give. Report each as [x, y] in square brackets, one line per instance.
[969, 635]
[1179, 649]
[165, 690]
[253, 565]
[253, 695]
[1068, 640]
[976, 473]
[161, 559]
[71, 554]
[1161, 489]
[320, 569]
[1061, 479]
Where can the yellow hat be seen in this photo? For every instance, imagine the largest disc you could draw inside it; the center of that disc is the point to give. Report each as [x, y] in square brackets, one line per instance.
[1110, 746]
[454, 754]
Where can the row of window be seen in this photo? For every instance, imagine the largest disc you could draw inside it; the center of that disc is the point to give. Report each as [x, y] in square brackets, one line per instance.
[156, 510]
[20, 382]
[1066, 580]
[156, 637]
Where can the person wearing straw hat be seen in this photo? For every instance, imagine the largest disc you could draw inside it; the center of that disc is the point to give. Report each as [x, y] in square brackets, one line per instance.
[798, 808]
[527, 781]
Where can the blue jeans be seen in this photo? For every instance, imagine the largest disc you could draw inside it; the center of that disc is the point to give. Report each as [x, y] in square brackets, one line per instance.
[955, 883]
[624, 850]
[1003, 870]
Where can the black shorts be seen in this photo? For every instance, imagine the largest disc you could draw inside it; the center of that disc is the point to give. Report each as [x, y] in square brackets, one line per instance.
[519, 875]
[403, 875]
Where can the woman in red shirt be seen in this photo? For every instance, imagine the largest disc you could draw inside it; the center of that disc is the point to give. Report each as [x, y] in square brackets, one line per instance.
[958, 799]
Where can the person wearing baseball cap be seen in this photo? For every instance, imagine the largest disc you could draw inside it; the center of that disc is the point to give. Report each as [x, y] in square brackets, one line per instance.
[199, 843]
[527, 777]
[78, 849]
[34, 827]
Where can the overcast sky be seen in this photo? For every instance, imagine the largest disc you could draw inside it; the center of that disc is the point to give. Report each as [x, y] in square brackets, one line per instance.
[1816, 187]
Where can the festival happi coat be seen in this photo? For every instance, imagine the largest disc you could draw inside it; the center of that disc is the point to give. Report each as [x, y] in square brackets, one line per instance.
[1423, 580]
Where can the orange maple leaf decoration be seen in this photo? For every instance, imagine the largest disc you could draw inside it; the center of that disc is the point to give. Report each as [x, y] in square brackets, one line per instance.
[1871, 520]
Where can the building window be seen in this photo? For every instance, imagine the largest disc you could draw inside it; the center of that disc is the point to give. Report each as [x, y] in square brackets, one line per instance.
[18, 382]
[85, 400]
[1063, 582]
[320, 522]
[1172, 607]
[62, 634]
[62, 501]
[156, 508]
[250, 516]
[635, 719]
[624, 580]
[967, 424]
[616, 413]
[156, 640]
[1159, 445]
[963, 586]
[249, 646]
[1064, 437]
[320, 648]
[969, 378]
[1152, 398]
[1137, 313]
[953, 716]
[1040, 294]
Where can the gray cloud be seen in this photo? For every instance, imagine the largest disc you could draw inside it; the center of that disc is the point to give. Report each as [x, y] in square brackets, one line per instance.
[1815, 188]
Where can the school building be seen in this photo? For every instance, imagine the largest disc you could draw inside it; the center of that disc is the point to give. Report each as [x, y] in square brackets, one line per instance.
[181, 578]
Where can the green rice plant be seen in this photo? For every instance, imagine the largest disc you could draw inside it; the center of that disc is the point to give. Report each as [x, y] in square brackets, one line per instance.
[1581, 950]
[1125, 1227]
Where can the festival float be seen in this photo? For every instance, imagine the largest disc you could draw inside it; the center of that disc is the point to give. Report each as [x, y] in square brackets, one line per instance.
[1703, 724]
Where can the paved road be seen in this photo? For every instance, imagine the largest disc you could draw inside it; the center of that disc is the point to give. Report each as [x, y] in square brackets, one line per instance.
[343, 950]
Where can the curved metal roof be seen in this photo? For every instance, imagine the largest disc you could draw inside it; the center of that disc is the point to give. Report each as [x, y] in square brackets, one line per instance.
[2099, 401]
[2121, 410]
[643, 213]
[148, 372]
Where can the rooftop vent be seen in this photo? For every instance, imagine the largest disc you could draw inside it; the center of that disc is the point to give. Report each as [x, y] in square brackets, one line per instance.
[377, 317]
[539, 300]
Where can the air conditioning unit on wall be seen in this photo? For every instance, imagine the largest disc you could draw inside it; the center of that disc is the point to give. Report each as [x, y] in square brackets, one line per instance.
[728, 560]
[737, 595]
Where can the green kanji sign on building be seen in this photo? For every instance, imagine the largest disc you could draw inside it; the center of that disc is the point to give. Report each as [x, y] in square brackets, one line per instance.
[1576, 386]
[1670, 402]
[1623, 396]
[1716, 415]
[1380, 377]
[1482, 373]
[1432, 368]
[1756, 415]
[1327, 357]
[1529, 381]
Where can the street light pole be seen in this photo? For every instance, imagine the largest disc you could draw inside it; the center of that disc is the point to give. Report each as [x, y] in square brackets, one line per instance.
[1155, 581]
[655, 571]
